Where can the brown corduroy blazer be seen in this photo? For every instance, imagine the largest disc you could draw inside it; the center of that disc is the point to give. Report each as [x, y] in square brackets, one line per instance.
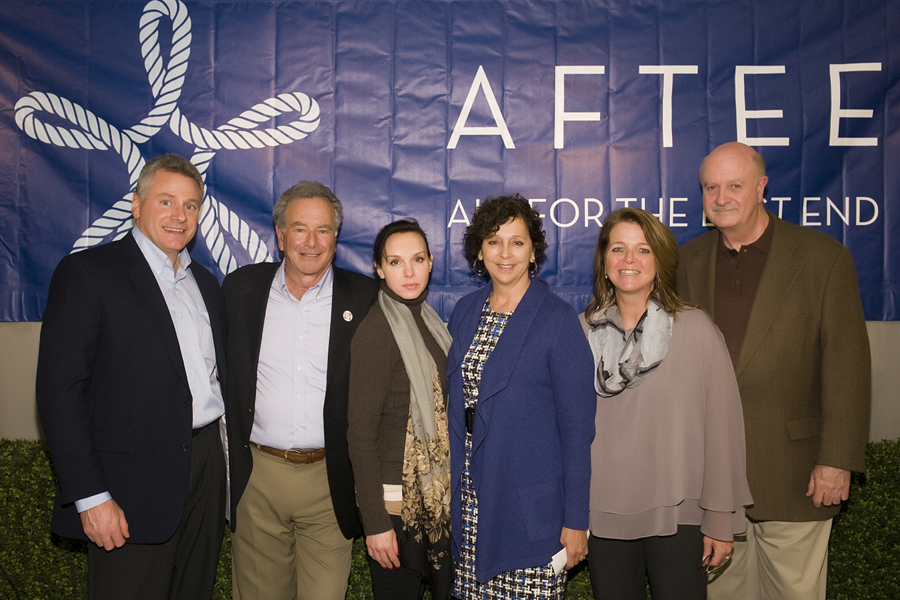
[804, 369]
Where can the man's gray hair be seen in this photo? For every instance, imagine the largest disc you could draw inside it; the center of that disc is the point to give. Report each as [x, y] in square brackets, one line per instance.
[306, 189]
[171, 163]
[760, 163]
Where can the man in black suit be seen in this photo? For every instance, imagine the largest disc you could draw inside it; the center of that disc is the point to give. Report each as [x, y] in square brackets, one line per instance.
[290, 324]
[129, 394]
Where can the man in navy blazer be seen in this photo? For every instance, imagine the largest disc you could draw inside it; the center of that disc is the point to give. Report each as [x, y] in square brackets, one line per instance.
[293, 501]
[130, 399]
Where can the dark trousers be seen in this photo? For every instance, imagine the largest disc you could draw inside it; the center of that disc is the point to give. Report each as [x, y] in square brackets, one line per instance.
[184, 567]
[620, 568]
[396, 584]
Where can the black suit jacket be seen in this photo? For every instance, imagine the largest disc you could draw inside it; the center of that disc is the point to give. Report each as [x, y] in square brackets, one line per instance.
[246, 297]
[112, 391]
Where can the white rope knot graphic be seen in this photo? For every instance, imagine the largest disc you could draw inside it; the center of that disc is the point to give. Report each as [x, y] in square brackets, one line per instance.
[90, 132]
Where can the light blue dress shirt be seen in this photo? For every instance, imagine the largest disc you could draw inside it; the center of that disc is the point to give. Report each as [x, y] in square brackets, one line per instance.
[293, 366]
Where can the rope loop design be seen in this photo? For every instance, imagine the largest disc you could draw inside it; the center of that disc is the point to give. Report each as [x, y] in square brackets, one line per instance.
[74, 127]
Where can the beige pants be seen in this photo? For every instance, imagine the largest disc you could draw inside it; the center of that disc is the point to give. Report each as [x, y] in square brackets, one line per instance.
[778, 560]
[287, 544]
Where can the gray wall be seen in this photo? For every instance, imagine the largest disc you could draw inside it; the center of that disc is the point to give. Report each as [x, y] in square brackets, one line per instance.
[18, 361]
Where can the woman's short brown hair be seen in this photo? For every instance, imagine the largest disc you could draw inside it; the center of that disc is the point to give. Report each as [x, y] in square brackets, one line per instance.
[665, 252]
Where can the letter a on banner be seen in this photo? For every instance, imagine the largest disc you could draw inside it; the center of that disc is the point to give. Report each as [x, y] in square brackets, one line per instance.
[481, 82]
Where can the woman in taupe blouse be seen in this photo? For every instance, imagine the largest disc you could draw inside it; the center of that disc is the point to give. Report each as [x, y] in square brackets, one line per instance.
[398, 424]
[668, 472]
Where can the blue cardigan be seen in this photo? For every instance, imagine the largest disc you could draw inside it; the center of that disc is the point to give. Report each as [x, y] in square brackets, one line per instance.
[531, 463]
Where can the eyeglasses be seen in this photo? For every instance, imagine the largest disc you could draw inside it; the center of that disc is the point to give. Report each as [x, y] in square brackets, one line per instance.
[710, 570]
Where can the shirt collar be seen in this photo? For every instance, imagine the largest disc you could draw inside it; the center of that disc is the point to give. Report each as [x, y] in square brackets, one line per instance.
[762, 244]
[155, 257]
[322, 290]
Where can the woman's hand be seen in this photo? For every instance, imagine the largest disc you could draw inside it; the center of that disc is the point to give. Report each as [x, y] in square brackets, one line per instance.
[575, 542]
[716, 552]
[383, 548]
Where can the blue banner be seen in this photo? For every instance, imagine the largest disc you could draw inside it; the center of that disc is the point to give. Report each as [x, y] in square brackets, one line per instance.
[423, 109]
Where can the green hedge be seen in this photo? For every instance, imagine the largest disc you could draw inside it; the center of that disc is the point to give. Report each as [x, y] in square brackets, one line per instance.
[37, 565]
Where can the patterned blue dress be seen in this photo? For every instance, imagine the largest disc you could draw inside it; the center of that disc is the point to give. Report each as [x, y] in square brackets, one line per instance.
[533, 583]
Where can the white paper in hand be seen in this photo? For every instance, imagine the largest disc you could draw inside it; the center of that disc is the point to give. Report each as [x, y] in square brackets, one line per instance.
[558, 562]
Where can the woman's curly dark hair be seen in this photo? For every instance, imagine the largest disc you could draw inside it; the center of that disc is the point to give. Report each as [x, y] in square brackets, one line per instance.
[498, 211]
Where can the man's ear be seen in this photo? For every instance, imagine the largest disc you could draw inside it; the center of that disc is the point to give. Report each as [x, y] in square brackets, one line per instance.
[761, 188]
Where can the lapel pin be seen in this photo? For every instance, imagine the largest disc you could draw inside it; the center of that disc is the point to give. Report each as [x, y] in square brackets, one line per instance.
[348, 316]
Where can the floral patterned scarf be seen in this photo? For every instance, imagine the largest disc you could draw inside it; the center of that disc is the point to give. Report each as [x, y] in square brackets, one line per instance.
[426, 461]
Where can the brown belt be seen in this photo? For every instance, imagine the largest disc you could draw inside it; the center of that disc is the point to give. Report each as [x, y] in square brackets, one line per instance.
[302, 457]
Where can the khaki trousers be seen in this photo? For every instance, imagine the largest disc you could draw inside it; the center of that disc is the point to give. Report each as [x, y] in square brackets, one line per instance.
[778, 560]
[287, 544]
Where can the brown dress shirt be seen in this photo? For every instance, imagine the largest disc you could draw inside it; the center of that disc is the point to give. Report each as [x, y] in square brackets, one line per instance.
[738, 273]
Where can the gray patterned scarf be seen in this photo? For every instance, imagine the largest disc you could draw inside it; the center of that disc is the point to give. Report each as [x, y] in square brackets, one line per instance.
[624, 360]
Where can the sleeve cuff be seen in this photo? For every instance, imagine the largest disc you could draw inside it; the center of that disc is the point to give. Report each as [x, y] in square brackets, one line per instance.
[92, 501]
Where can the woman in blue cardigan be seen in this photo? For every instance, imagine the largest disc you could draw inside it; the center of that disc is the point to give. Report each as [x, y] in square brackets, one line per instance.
[521, 418]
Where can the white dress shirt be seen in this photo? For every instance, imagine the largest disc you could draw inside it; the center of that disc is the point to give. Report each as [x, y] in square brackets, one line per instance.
[293, 366]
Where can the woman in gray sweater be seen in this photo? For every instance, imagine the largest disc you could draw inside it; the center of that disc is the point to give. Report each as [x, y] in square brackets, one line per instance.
[398, 424]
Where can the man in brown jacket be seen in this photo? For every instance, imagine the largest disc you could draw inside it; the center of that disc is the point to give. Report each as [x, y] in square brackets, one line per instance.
[787, 301]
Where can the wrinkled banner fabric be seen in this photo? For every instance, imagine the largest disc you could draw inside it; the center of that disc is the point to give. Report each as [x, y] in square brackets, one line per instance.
[423, 109]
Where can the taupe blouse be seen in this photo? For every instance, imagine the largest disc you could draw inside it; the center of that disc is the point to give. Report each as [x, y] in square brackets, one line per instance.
[671, 451]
